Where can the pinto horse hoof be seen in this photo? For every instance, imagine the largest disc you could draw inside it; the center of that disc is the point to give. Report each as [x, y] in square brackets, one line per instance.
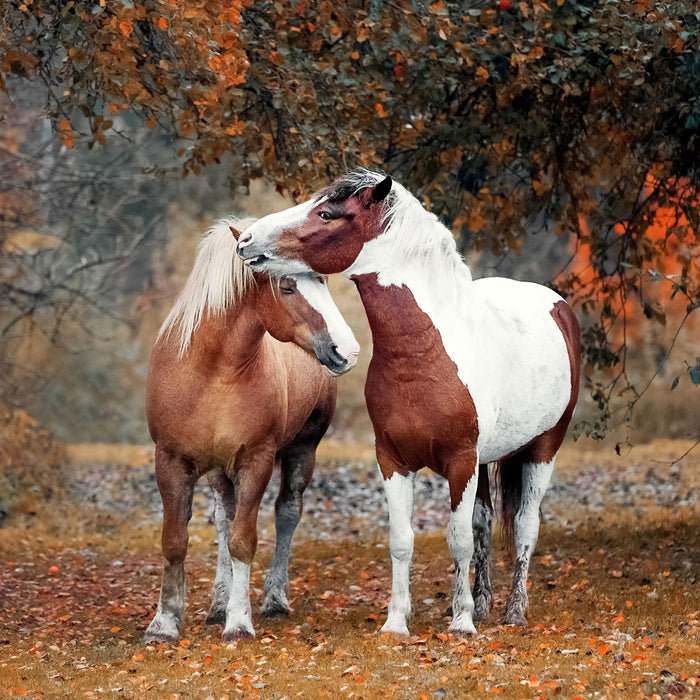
[237, 635]
[462, 633]
[397, 632]
[216, 617]
[515, 619]
[482, 607]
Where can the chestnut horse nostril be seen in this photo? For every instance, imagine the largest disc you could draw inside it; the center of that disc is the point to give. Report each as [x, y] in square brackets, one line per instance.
[337, 357]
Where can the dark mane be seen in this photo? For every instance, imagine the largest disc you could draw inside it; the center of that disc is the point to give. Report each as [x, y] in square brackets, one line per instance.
[350, 184]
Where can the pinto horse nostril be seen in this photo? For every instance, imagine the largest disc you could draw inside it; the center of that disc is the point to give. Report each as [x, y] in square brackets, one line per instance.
[245, 238]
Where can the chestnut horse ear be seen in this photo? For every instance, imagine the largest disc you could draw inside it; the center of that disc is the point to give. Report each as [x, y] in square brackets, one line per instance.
[381, 190]
[236, 233]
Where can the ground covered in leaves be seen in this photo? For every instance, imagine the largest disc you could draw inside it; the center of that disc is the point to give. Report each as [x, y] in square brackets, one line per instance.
[615, 598]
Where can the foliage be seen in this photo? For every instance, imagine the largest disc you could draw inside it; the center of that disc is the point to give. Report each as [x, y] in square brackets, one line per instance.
[581, 119]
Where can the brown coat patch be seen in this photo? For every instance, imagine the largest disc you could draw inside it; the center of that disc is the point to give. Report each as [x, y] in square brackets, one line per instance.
[422, 413]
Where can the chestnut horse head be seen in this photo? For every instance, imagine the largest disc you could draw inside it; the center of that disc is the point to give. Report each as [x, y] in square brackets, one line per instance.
[299, 309]
[325, 234]
[295, 308]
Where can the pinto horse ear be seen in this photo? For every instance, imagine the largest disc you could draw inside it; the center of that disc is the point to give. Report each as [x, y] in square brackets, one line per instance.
[236, 233]
[381, 190]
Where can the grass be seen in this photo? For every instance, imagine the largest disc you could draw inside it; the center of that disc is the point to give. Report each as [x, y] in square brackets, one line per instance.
[614, 609]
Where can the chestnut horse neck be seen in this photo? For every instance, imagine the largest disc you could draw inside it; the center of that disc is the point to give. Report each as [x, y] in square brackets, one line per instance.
[219, 281]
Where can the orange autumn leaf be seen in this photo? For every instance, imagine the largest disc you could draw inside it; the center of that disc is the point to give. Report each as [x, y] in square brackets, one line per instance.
[126, 28]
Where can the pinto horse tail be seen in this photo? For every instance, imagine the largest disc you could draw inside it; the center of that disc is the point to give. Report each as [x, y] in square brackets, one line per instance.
[509, 484]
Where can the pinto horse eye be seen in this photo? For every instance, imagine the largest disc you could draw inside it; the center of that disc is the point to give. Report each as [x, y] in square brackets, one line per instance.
[327, 216]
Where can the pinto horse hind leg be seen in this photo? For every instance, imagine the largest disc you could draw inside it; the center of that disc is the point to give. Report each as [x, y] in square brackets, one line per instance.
[399, 495]
[224, 511]
[250, 481]
[176, 479]
[526, 525]
[297, 466]
[481, 526]
[462, 475]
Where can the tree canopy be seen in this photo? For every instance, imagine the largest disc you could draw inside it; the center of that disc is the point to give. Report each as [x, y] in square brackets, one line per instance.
[577, 118]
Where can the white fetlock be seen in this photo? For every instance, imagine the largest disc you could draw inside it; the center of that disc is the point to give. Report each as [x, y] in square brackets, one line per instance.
[395, 625]
[240, 628]
[462, 626]
[163, 628]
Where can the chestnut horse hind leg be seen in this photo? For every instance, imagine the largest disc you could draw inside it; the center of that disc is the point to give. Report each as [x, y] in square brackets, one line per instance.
[251, 477]
[481, 526]
[176, 478]
[224, 511]
[297, 466]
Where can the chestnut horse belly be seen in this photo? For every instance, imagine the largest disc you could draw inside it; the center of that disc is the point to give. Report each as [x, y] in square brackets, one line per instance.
[210, 417]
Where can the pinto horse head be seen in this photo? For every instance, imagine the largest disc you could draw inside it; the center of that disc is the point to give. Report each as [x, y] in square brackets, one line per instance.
[325, 234]
[298, 308]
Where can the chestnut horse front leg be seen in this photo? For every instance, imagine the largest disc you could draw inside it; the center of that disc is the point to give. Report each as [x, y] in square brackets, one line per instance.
[297, 466]
[224, 512]
[399, 496]
[250, 481]
[462, 475]
[176, 478]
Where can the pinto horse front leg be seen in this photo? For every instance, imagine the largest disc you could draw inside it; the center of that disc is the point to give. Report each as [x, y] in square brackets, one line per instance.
[176, 479]
[481, 525]
[526, 527]
[462, 477]
[399, 495]
[250, 481]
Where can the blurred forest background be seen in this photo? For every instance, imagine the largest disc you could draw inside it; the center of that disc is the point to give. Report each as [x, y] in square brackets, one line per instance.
[560, 141]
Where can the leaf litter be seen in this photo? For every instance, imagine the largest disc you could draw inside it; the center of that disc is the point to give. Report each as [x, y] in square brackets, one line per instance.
[615, 610]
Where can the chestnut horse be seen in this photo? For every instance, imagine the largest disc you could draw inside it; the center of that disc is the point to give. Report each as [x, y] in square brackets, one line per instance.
[464, 372]
[229, 395]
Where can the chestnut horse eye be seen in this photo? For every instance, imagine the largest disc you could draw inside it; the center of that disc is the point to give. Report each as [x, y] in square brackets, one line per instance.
[288, 286]
[326, 215]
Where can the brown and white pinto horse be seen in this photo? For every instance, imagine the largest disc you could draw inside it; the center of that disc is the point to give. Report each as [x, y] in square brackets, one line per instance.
[229, 395]
[464, 372]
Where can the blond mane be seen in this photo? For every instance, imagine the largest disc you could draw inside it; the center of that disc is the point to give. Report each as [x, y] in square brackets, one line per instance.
[219, 279]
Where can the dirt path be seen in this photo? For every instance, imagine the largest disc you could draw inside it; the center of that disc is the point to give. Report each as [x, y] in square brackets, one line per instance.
[615, 604]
